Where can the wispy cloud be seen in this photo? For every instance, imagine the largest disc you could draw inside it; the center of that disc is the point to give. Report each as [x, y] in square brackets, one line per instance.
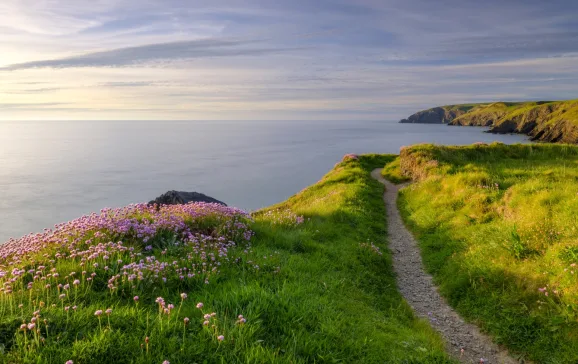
[34, 105]
[204, 48]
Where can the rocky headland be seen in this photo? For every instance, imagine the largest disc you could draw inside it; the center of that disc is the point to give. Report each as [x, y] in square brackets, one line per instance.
[547, 121]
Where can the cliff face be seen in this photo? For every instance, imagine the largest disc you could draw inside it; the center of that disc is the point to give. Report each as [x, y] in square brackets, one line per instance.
[438, 115]
[548, 121]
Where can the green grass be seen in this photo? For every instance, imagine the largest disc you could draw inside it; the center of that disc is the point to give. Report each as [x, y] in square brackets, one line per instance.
[392, 172]
[497, 226]
[462, 107]
[541, 112]
[319, 291]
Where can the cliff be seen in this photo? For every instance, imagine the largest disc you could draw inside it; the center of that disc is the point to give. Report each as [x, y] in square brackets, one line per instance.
[548, 121]
[439, 115]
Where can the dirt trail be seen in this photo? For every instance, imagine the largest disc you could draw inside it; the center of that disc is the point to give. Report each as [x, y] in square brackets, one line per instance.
[464, 340]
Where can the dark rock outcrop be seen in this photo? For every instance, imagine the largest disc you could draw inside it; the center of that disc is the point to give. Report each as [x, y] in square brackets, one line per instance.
[436, 115]
[180, 197]
[439, 115]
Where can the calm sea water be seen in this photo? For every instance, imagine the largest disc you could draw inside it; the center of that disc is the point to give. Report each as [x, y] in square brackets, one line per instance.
[52, 172]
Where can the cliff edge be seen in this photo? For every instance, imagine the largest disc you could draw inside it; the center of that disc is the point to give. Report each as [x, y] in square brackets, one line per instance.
[547, 121]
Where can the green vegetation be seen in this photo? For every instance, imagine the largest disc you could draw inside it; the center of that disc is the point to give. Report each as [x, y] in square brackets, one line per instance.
[487, 114]
[441, 115]
[548, 121]
[313, 284]
[392, 172]
[497, 226]
[460, 108]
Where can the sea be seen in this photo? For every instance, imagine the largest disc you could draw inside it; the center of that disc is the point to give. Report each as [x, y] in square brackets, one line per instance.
[55, 171]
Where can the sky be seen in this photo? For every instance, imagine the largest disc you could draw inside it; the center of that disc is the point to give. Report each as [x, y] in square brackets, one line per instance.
[285, 59]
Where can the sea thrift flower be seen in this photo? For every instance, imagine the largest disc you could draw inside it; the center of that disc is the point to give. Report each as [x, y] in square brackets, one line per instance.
[31, 326]
[108, 311]
[166, 362]
[206, 323]
[200, 305]
[135, 298]
[183, 296]
[241, 320]
[186, 320]
[220, 338]
[98, 313]
[69, 362]
[62, 296]
[76, 282]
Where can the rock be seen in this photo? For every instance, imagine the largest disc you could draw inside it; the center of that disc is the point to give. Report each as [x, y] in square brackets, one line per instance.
[437, 115]
[546, 121]
[180, 197]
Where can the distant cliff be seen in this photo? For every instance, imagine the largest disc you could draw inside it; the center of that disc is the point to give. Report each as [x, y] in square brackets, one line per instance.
[548, 121]
[439, 115]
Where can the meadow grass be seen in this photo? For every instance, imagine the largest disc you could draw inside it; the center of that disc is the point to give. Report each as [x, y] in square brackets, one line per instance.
[392, 172]
[307, 280]
[497, 227]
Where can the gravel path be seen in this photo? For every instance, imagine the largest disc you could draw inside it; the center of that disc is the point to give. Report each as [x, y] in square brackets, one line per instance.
[464, 340]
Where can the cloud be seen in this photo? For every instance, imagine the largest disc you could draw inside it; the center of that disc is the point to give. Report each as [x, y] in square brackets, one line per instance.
[274, 59]
[127, 56]
[127, 84]
[33, 105]
[34, 90]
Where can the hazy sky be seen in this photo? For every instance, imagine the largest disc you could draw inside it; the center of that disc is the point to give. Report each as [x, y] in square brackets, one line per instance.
[290, 59]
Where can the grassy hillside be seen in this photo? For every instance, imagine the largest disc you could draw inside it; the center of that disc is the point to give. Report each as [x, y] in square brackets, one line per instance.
[549, 121]
[440, 115]
[308, 280]
[497, 226]
[486, 115]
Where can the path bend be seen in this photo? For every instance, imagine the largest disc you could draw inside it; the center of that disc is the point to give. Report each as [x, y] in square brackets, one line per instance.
[419, 291]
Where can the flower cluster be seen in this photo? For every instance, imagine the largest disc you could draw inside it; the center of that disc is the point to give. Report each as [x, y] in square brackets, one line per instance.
[123, 253]
[140, 221]
[210, 322]
[111, 245]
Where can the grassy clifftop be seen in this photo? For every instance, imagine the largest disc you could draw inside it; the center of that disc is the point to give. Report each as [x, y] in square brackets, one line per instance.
[440, 115]
[307, 280]
[497, 229]
[549, 121]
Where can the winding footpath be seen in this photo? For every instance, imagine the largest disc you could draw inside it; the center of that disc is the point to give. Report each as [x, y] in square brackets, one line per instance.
[464, 341]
